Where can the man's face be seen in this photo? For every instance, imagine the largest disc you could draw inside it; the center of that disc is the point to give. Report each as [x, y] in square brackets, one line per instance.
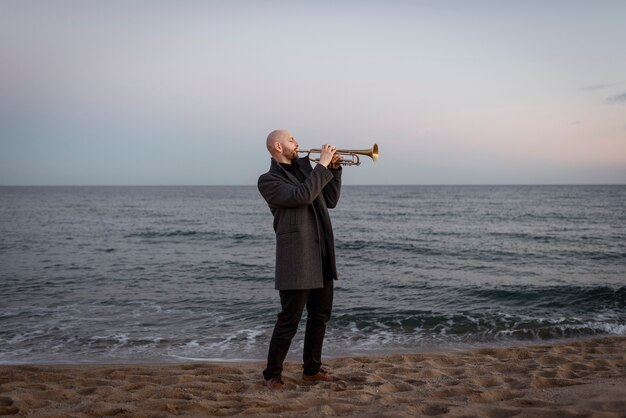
[289, 147]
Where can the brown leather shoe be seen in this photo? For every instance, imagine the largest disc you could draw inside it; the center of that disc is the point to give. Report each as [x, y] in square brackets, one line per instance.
[275, 383]
[322, 376]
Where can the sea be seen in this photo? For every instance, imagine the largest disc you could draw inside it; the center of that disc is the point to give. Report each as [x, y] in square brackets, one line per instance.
[181, 274]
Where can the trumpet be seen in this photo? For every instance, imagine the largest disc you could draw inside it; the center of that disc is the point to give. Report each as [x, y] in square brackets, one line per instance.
[348, 156]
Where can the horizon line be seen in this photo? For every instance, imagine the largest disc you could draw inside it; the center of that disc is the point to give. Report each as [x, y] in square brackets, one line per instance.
[359, 185]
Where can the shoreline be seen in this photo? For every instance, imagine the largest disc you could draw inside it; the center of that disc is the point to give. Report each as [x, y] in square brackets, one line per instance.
[583, 378]
[295, 353]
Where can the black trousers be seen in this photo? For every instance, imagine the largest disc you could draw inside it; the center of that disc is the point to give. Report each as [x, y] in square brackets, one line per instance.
[319, 303]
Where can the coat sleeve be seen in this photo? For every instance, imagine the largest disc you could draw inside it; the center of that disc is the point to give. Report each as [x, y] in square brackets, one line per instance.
[278, 192]
[332, 191]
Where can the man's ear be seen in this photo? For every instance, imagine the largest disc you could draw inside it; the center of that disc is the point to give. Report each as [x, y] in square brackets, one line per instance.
[278, 147]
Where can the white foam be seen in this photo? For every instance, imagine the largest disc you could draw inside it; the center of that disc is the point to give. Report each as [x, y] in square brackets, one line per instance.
[214, 359]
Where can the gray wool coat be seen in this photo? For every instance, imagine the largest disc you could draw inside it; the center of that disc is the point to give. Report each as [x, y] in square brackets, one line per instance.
[298, 247]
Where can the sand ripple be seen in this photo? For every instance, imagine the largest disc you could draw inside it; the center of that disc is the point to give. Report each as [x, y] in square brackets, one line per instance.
[577, 379]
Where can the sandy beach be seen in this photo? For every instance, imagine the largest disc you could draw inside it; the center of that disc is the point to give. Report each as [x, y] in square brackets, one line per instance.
[573, 379]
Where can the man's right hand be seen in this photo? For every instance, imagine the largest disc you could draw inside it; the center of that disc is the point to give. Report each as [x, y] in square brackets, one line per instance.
[326, 154]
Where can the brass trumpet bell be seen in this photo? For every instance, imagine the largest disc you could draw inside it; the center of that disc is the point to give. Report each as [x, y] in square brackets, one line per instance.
[351, 155]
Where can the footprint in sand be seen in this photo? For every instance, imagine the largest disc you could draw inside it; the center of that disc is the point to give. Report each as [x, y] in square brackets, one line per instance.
[434, 409]
[7, 407]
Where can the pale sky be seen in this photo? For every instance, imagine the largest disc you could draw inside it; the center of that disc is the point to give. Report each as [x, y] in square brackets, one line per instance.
[185, 92]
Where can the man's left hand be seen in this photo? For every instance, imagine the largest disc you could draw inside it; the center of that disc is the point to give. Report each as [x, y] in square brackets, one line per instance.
[334, 164]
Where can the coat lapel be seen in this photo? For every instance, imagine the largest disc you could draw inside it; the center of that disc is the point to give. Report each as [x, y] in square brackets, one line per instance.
[277, 168]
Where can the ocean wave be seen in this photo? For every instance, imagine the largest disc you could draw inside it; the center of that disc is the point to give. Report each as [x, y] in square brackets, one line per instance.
[166, 234]
[479, 326]
[586, 298]
[193, 234]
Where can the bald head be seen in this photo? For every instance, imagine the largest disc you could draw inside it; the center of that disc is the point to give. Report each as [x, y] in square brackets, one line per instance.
[282, 146]
[276, 136]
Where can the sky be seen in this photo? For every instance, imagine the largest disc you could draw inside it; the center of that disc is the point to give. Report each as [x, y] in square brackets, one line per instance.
[185, 92]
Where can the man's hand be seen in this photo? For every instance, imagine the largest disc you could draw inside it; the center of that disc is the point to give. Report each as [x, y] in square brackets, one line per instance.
[327, 154]
[335, 163]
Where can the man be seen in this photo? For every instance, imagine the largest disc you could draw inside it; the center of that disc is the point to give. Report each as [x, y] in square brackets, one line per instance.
[299, 197]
